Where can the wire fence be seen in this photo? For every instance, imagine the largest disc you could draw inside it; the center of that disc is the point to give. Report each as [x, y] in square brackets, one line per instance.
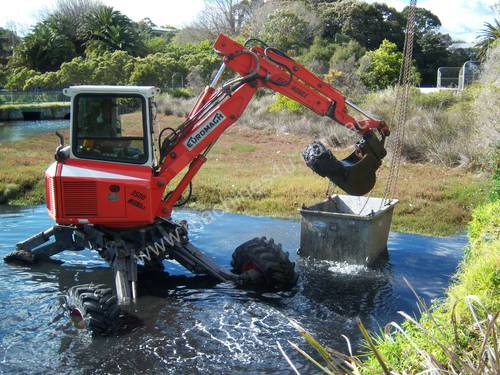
[469, 73]
[447, 77]
[457, 77]
[36, 96]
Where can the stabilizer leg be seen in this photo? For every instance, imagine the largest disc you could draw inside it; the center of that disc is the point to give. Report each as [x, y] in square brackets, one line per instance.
[124, 266]
[39, 247]
[193, 259]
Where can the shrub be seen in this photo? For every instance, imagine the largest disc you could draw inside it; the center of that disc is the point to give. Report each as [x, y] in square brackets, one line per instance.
[169, 105]
[439, 99]
[383, 65]
[442, 127]
[284, 104]
[184, 93]
[17, 77]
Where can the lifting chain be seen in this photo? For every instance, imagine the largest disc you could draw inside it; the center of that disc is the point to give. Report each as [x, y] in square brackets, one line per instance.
[399, 114]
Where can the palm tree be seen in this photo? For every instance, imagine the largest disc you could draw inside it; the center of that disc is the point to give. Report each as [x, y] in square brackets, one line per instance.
[109, 30]
[488, 36]
[46, 48]
[8, 40]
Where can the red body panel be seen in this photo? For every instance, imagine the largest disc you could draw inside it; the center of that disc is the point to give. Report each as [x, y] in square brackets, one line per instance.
[96, 192]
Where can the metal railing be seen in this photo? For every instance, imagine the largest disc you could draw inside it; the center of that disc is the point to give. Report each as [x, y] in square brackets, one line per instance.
[36, 96]
[457, 77]
[447, 77]
[469, 73]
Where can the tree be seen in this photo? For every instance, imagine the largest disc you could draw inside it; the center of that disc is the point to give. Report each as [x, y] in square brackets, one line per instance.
[48, 80]
[425, 20]
[77, 71]
[345, 51]
[431, 51]
[318, 55]
[113, 68]
[46, 48]
[156, 44]
[17, 77]
[155, 70]
[71, 16]
[382, 66]
[8, 40]
[3, 76]
[221, 16]
[58, 38]
[368, 24]
[287, 31]
[344, 72]
[458, 55]
[431, 47]
[107, 29]
[487, 38]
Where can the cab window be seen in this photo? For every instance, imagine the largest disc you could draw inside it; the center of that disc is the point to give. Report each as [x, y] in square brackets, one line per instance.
[110, 127]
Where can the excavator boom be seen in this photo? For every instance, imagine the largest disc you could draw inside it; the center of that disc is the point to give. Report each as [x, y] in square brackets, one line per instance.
[260, 66]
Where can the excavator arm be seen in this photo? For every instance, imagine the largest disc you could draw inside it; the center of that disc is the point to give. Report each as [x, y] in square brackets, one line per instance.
[261, 66]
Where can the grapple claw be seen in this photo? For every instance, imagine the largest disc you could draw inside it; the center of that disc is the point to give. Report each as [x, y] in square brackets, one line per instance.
[354, 174]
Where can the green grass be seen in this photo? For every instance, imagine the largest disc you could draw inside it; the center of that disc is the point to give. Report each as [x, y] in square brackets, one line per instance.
[258, 172]
[451, 322]
[7, 107]
[239, 147]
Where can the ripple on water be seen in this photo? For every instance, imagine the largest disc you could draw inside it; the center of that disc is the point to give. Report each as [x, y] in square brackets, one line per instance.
[190, 325]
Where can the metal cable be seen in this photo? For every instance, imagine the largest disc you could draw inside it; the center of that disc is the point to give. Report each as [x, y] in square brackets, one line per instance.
[400, 112]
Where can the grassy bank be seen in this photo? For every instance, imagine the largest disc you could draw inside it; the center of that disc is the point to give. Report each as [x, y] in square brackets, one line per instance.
[46, 111]
[262, 172]
[456, 335]
[460, 333]
[28, 106]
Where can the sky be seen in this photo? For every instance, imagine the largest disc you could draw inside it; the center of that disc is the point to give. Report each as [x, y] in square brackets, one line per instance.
[462, 19]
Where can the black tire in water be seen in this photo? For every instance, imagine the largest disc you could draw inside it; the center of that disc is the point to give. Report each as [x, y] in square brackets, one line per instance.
[93, 307]
[262, 264]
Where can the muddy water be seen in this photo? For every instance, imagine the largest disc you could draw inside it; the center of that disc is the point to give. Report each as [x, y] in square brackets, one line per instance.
[185, 324]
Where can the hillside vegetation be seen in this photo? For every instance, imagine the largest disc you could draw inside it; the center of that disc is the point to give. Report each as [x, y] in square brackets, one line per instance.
[355, 44]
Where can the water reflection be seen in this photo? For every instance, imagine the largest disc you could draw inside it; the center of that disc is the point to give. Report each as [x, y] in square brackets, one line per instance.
[17, 130]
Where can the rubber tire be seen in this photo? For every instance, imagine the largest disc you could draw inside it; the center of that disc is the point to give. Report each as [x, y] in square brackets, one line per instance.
[97, 306]
[263, 265]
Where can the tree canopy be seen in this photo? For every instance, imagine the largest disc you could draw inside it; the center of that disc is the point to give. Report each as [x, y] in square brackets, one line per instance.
[488, 37]
[84, 41]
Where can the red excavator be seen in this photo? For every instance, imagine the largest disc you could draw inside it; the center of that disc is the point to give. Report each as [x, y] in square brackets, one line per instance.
[112, 189]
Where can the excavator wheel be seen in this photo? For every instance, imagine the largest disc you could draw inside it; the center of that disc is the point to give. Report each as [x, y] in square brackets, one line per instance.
[93, 307]
[263, 265]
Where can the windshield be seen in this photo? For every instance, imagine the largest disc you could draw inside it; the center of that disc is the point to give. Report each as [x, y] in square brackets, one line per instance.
[110, 127]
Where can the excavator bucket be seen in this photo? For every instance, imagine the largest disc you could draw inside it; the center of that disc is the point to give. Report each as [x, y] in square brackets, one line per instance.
[356, 174]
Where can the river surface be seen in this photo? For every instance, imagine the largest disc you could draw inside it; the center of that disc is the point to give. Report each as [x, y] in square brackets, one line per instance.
[16, 130]
[188, 325]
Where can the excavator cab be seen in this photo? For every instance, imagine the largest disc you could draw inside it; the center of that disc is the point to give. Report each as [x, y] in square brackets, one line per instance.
[110, 127]
[105, 176]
